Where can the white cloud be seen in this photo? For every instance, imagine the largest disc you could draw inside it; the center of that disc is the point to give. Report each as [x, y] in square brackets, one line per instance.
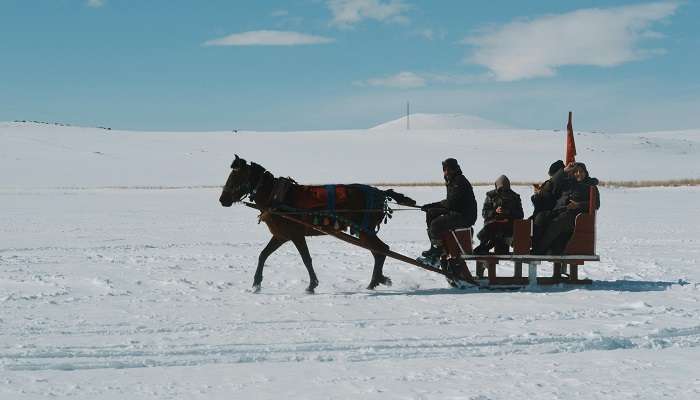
[268, 38]
[95, 3]
[349, 12]
[598, 37]
[412, 80]
[431, 34]
[457, 79]
[427, 33]
[402, 80]
[279, 13]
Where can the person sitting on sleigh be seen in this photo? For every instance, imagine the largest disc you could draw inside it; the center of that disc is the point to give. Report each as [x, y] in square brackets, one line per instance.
[501, 207]
[457, 210]
[573, 185]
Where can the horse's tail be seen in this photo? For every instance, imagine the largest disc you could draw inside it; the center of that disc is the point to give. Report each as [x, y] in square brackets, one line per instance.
[401, 199]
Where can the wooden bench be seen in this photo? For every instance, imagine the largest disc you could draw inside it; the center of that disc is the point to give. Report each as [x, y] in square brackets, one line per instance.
[579, 249]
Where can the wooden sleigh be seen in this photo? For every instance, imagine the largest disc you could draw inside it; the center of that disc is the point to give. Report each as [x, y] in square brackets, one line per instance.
[579, 249]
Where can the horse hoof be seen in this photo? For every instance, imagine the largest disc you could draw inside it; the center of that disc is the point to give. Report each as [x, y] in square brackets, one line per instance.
[256, 288]
[383, 281]
[310, 290]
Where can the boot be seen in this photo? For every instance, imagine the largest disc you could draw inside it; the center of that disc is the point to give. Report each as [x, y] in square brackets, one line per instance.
[501, 247]
[435, 250]
[483, 247]
[431, 246]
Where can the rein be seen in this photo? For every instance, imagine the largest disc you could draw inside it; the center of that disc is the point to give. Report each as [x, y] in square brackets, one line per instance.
[310, 212]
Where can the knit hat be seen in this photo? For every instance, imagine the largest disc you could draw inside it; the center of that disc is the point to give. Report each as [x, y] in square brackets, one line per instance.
[451, 164]
[583, 167]
[555, 167]
[502, 182]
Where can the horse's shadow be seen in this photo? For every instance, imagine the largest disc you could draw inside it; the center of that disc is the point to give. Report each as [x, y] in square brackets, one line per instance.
[611, 286]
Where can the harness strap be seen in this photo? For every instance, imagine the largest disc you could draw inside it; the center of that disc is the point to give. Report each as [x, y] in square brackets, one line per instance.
[330, 191]
[369, 205]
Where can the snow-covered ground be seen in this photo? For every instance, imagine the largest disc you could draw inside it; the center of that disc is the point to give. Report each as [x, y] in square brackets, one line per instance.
[118, 293]
[35, 155]
[113, 293]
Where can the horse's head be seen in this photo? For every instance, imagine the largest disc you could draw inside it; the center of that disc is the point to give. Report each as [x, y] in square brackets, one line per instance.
[238, 183]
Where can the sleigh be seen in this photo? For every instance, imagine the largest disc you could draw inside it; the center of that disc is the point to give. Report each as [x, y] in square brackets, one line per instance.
[579, 249]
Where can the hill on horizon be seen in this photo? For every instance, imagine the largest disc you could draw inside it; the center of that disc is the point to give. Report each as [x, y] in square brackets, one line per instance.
[424, 121]
[38, 155]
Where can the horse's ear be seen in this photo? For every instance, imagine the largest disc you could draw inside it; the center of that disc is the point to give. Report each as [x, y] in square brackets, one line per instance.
[238, 162]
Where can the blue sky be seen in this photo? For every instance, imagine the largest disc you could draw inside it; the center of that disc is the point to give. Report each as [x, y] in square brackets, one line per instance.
[332, 64]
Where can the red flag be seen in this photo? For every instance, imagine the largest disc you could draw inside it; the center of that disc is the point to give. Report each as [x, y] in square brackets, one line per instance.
[570, 144]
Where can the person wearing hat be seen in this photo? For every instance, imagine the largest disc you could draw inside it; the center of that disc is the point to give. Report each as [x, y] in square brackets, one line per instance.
[573, 184]
[543, 201]
[501, 207]
[457, 210]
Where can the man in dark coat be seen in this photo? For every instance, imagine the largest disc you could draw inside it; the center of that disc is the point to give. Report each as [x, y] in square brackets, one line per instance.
[543, 201]
[574, 186]
[458, 210]
[501, 207]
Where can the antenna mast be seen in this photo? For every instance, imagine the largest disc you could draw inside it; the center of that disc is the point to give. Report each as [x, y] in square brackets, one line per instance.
[408, 116]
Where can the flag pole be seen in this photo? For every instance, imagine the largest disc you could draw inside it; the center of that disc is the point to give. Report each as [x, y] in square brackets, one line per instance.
[570, 142]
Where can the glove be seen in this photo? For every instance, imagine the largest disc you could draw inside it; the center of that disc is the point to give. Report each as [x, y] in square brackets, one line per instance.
[426, 207]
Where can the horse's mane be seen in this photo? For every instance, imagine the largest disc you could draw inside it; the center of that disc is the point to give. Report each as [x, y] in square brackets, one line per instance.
[256, 171]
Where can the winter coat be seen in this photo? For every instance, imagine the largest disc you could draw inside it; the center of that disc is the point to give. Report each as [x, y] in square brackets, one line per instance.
[570, 189]
[460, 198]
[545, 199]
[505, 198]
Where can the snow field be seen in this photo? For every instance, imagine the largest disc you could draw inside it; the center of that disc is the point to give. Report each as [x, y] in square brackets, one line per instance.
[109, 293]
[41, 156]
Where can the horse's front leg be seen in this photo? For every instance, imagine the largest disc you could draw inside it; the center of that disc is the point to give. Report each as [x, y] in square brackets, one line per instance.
[300, 244]
[272, 245]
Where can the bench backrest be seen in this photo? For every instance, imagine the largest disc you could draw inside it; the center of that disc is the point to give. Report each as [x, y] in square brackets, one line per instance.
[582, 242]
[583, 239]
[458, 242]
[522, 236]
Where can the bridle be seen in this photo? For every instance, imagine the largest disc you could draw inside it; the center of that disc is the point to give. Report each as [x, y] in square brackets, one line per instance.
[244, 188]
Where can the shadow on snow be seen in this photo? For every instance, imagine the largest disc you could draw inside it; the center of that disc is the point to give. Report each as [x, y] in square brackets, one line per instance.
[612, 286]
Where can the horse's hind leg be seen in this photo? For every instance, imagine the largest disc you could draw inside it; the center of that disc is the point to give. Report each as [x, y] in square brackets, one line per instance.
[300, 244]
[272, 245]
[378, 277]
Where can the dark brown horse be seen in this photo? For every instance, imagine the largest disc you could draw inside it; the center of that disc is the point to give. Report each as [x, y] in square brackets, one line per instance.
[331, 205]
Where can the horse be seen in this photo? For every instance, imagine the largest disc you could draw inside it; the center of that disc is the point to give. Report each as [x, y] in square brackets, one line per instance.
[361, 208]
